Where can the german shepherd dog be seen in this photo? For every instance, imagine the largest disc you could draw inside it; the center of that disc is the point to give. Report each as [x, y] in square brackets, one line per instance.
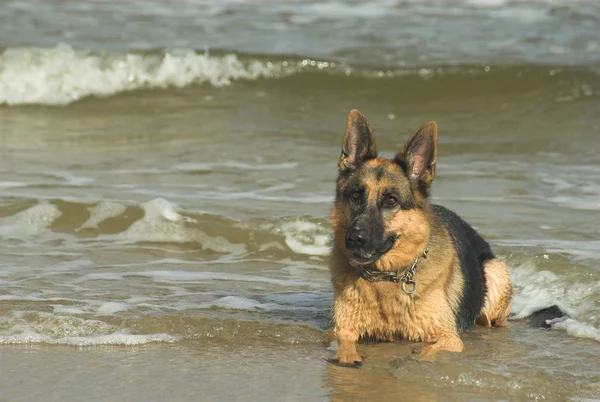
[401, 267]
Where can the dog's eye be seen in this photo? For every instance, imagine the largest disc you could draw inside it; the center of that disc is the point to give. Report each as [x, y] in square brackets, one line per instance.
[391, 201]
[355, 195]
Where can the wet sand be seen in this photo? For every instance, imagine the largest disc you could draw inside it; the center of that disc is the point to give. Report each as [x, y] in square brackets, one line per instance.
[497, 365]
[182, 372]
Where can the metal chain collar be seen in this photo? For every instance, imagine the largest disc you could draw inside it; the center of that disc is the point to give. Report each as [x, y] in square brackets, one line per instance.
[407, 278]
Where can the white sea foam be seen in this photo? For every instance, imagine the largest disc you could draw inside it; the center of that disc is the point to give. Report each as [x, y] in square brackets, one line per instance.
[244, 303]
[589, 203]
[61, 75]
[12, 184]
[261, 196]
[161, 208]
[117, 339]
[162, 223]
[537, 289]
[578, 329]
[67, 310]
[30, 221]
[109, 308]
[102, 277]
[573, 187]
[192, 276]
[234, 302]
[66, 329]
[311, 12]
[69, 178]
[30, 298]
[487, 3]
[102, 211]
[305, 237]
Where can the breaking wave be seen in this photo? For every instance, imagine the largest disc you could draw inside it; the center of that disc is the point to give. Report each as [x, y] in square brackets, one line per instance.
[62, 75]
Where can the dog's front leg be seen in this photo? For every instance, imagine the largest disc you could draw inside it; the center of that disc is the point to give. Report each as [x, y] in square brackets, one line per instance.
[346, 354]
[445, 343]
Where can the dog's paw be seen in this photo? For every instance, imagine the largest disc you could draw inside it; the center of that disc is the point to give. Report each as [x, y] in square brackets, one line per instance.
[354, 364]
[428, 354]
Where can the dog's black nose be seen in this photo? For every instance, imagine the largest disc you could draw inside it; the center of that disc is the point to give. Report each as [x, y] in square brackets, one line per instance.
[356, 238]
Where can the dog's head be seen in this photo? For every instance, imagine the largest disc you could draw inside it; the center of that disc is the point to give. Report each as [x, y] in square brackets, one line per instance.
[380, 215]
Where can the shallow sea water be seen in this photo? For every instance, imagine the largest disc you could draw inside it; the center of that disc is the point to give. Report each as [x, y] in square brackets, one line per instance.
[167, 171]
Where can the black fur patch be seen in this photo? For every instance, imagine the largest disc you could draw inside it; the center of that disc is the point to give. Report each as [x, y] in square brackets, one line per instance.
[539, 318]
[402, 163]
[473, 252]
[406, 203]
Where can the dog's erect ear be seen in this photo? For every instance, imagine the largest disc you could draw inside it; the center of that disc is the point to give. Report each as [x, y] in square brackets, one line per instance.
[420, 154]
[359, 144]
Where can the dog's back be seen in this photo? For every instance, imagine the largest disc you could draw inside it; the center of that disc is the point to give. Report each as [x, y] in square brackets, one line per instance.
[473, 252]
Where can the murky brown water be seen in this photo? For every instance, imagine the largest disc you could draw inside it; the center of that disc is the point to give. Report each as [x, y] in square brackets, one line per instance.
[163, 214]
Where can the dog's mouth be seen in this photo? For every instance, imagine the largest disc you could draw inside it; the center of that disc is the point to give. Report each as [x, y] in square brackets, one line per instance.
[362, 257]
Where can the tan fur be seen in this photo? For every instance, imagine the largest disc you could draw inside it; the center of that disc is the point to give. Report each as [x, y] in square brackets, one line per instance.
[381, 310]
[499, 293]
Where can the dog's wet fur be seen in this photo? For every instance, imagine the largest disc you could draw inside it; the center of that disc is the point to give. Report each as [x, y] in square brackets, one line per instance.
[383, 220]
[543, 318]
